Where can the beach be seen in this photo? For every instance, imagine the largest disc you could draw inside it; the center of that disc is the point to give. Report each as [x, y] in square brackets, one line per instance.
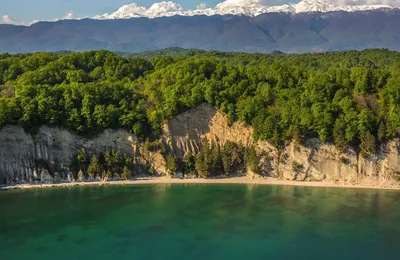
[233, 180]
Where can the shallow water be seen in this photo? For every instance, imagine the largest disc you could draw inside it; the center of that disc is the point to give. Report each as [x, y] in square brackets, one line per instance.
[198, 222]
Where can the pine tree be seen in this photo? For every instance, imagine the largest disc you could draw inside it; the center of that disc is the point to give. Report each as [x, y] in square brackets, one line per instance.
[227, 161]
[172, 164]
[82, 157]
[339, 135]
[217, 167]
[126, 174]
[368, 144]
[382, 132]
[252, 160]
[203, 160]
[95, 167]
[109, 174]
[189, 165]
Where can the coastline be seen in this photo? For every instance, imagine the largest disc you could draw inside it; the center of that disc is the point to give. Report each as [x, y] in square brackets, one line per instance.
[233, 180]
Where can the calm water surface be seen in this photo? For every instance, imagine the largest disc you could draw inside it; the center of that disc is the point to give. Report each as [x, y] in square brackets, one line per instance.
[199, 222]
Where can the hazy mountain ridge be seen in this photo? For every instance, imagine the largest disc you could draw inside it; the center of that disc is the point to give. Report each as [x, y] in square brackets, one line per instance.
[302, 32]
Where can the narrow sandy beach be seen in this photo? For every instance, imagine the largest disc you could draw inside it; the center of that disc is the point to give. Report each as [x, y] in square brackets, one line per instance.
[234, 180]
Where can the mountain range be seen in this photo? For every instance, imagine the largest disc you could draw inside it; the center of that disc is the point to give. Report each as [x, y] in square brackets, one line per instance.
[233, 7]
[250, 8]
[284, 31]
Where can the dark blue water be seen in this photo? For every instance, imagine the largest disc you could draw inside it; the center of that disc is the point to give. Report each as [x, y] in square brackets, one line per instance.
[199, 222]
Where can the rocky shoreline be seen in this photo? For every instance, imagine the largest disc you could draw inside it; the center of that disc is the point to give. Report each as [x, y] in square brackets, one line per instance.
[233, 180]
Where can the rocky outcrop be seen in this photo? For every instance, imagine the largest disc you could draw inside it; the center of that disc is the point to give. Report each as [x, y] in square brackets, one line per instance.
[47, 156]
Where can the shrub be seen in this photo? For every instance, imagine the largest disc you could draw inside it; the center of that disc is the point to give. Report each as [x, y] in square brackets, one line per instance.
[297, 167]
[344, 160]
[156, 146]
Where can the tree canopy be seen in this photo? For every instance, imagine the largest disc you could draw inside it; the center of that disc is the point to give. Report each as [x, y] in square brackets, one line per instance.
[351, 98]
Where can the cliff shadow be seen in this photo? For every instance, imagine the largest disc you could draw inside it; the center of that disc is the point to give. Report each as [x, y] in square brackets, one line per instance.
[41, 165]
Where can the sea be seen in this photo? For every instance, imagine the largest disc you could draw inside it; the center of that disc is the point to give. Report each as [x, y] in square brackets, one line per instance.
[199, 221]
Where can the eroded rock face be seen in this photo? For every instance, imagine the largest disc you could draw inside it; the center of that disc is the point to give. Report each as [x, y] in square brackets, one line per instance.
[315, 161]
[24, 157]
[311, 161]
[185, 132]
[21, 154]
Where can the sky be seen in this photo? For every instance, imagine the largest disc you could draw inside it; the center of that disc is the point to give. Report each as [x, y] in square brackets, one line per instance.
[28, 10]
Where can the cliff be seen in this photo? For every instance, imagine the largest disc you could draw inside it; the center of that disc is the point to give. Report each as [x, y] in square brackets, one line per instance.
[25, 158]
[48, 156]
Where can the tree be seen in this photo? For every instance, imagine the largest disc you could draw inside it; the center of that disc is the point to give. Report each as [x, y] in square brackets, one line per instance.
[339, 135]
[216, 166]
[252, 160]
[202, 160]
[337, 96]
[382, 132]
[113, 161]
[126, 174]
[189, 165]
[109, 174]
[95, 168]
[172, 164]
[226, 157]
[202, 167]
[368, 144]
[82, 157]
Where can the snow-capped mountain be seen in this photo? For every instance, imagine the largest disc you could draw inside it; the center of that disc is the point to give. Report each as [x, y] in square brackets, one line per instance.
[307, 6]
[133, 10]
[250, 8]
[233, 7]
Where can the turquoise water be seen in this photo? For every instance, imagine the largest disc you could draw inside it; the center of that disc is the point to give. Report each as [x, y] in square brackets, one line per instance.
[199, 222]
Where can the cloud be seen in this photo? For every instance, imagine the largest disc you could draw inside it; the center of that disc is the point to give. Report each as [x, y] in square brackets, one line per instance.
[201, 6]
[69, 15]
[5, 19]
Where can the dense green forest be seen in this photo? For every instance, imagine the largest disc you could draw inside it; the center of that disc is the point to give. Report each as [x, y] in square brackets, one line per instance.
[350, 98]
[172, 52]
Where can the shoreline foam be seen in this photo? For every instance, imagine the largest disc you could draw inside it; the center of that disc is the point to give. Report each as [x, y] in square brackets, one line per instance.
[233, 180]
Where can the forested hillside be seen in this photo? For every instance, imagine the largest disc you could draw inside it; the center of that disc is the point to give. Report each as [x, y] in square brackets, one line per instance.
[350, 98]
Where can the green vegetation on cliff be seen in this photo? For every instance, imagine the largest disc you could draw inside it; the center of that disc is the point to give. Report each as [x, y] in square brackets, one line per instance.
[350, 98]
